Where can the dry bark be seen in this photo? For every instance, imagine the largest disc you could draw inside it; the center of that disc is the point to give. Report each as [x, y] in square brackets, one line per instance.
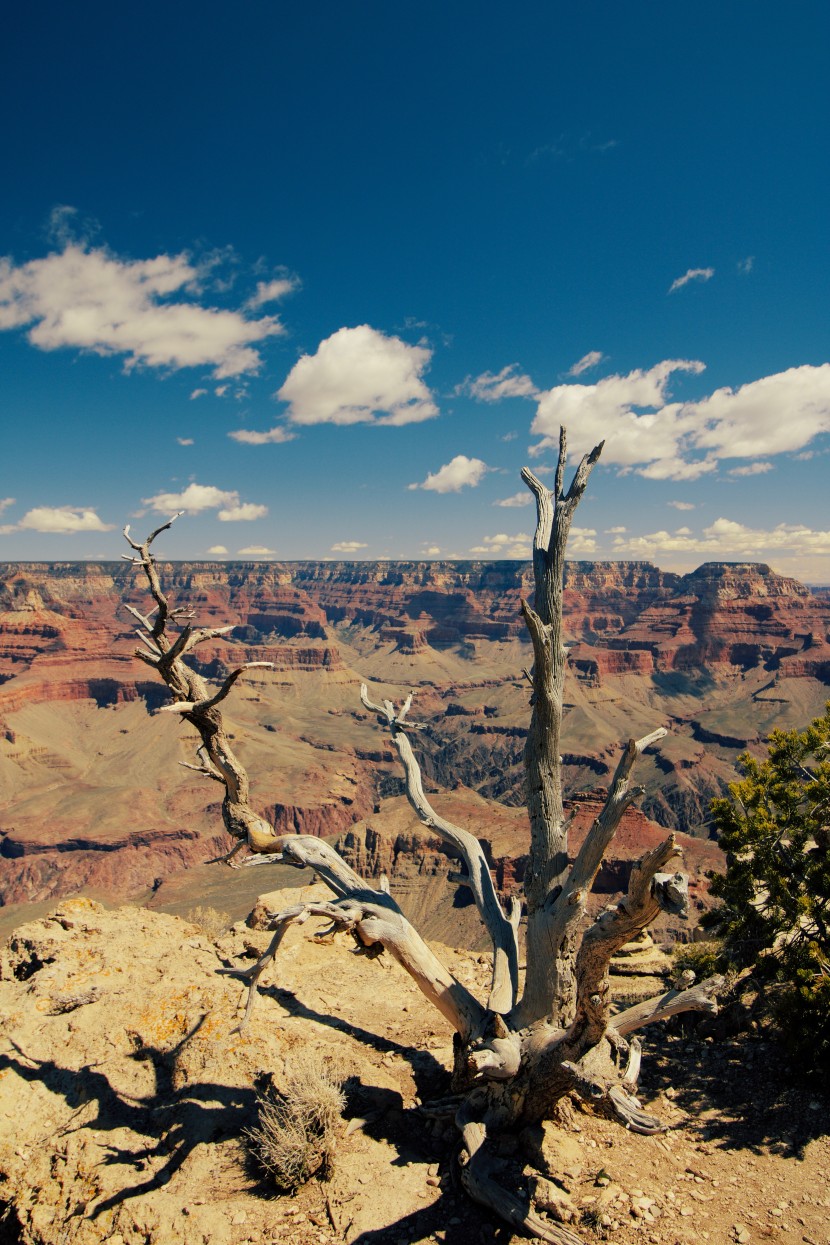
[516, 1057]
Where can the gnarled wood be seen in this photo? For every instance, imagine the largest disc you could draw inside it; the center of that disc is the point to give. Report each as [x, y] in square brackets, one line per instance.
[514, 1058]
[549, 967]
[477, 1178]
[500, 927]
[196, 703]
[375, 925]
[562, 915]
[699, 998]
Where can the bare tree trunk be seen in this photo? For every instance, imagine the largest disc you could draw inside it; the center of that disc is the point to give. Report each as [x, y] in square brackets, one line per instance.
[549, 988]
[515, 1057]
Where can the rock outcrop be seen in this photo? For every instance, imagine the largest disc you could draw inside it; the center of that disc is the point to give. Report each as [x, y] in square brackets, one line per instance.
[92, 793]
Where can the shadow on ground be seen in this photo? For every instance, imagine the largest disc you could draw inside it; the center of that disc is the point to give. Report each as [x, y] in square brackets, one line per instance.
[738, 1090]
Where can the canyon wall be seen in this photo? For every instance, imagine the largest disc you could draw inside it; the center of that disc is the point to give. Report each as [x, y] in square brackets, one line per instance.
[92, 792]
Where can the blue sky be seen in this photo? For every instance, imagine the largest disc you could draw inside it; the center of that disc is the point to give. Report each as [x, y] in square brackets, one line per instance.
[326, 276]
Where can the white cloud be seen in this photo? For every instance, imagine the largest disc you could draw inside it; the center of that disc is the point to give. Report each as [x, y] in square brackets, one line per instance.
[589, 360]
[89, 299]
[218, 551]
[432, 551]
[275, 436]
[461, 472]
[494, 386]
[348, 546]
[664, 440]
[58, 520]
[359, 375]
[615, 531]
[691, 274]
[256, 551]
[195, 498]
[198, 497]
[503, 546]
[745, 266]
[5, 502]
[728, 539]
[198, 393]
[271, 291]
[242, 512]
[519, 546]
[773, 415]
[185, 440]
[606, 410]
[517, 499]
[681, 505]
[752, 469]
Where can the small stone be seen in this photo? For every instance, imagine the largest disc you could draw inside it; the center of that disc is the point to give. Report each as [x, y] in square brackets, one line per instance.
[239, 1217]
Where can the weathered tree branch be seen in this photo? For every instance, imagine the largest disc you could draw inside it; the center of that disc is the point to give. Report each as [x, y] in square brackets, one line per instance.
[649, 891]
[698, 998]
[562, 915]
[198, 705]
[375, 925]
[500, 927]
[478, 1180]
[545, 990]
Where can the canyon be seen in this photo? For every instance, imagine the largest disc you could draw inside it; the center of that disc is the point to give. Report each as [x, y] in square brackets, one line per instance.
[94, 797]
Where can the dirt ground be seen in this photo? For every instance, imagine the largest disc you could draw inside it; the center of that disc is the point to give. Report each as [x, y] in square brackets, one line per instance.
[125, 1093]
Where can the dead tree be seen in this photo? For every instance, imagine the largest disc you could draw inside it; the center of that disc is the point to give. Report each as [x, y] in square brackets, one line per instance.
[528, 1045]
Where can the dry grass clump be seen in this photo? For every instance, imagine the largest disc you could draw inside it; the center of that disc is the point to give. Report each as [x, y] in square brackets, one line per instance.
[210, 921]
[296, 1134]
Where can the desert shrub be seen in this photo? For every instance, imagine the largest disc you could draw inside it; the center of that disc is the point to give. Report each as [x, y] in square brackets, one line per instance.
[704, 959]
[774, 913]
[210, 921]
[296, 1133]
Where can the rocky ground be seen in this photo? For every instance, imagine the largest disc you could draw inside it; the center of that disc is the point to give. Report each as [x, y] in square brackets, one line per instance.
[125, 1092]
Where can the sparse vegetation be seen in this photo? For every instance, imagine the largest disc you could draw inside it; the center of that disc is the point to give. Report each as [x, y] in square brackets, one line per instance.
[774, 914]
[210, 921]
[701, 958]
[296, 1135]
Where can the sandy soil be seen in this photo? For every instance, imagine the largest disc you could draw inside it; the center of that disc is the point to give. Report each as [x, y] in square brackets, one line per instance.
[124, 1093]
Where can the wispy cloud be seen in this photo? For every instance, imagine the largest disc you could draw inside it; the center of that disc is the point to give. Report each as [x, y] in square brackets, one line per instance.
[256, 551]
[348, 546]
[360, 376]
[517, 499]
[681, 505]
[691, 274]
[752, 469]
[241, 512]
[589, 360]
[218, 551]
[272, 292]
[146, 311]
[460, 472]
[745, 266]
[184, 440]
[494, 386]
[274, 436]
